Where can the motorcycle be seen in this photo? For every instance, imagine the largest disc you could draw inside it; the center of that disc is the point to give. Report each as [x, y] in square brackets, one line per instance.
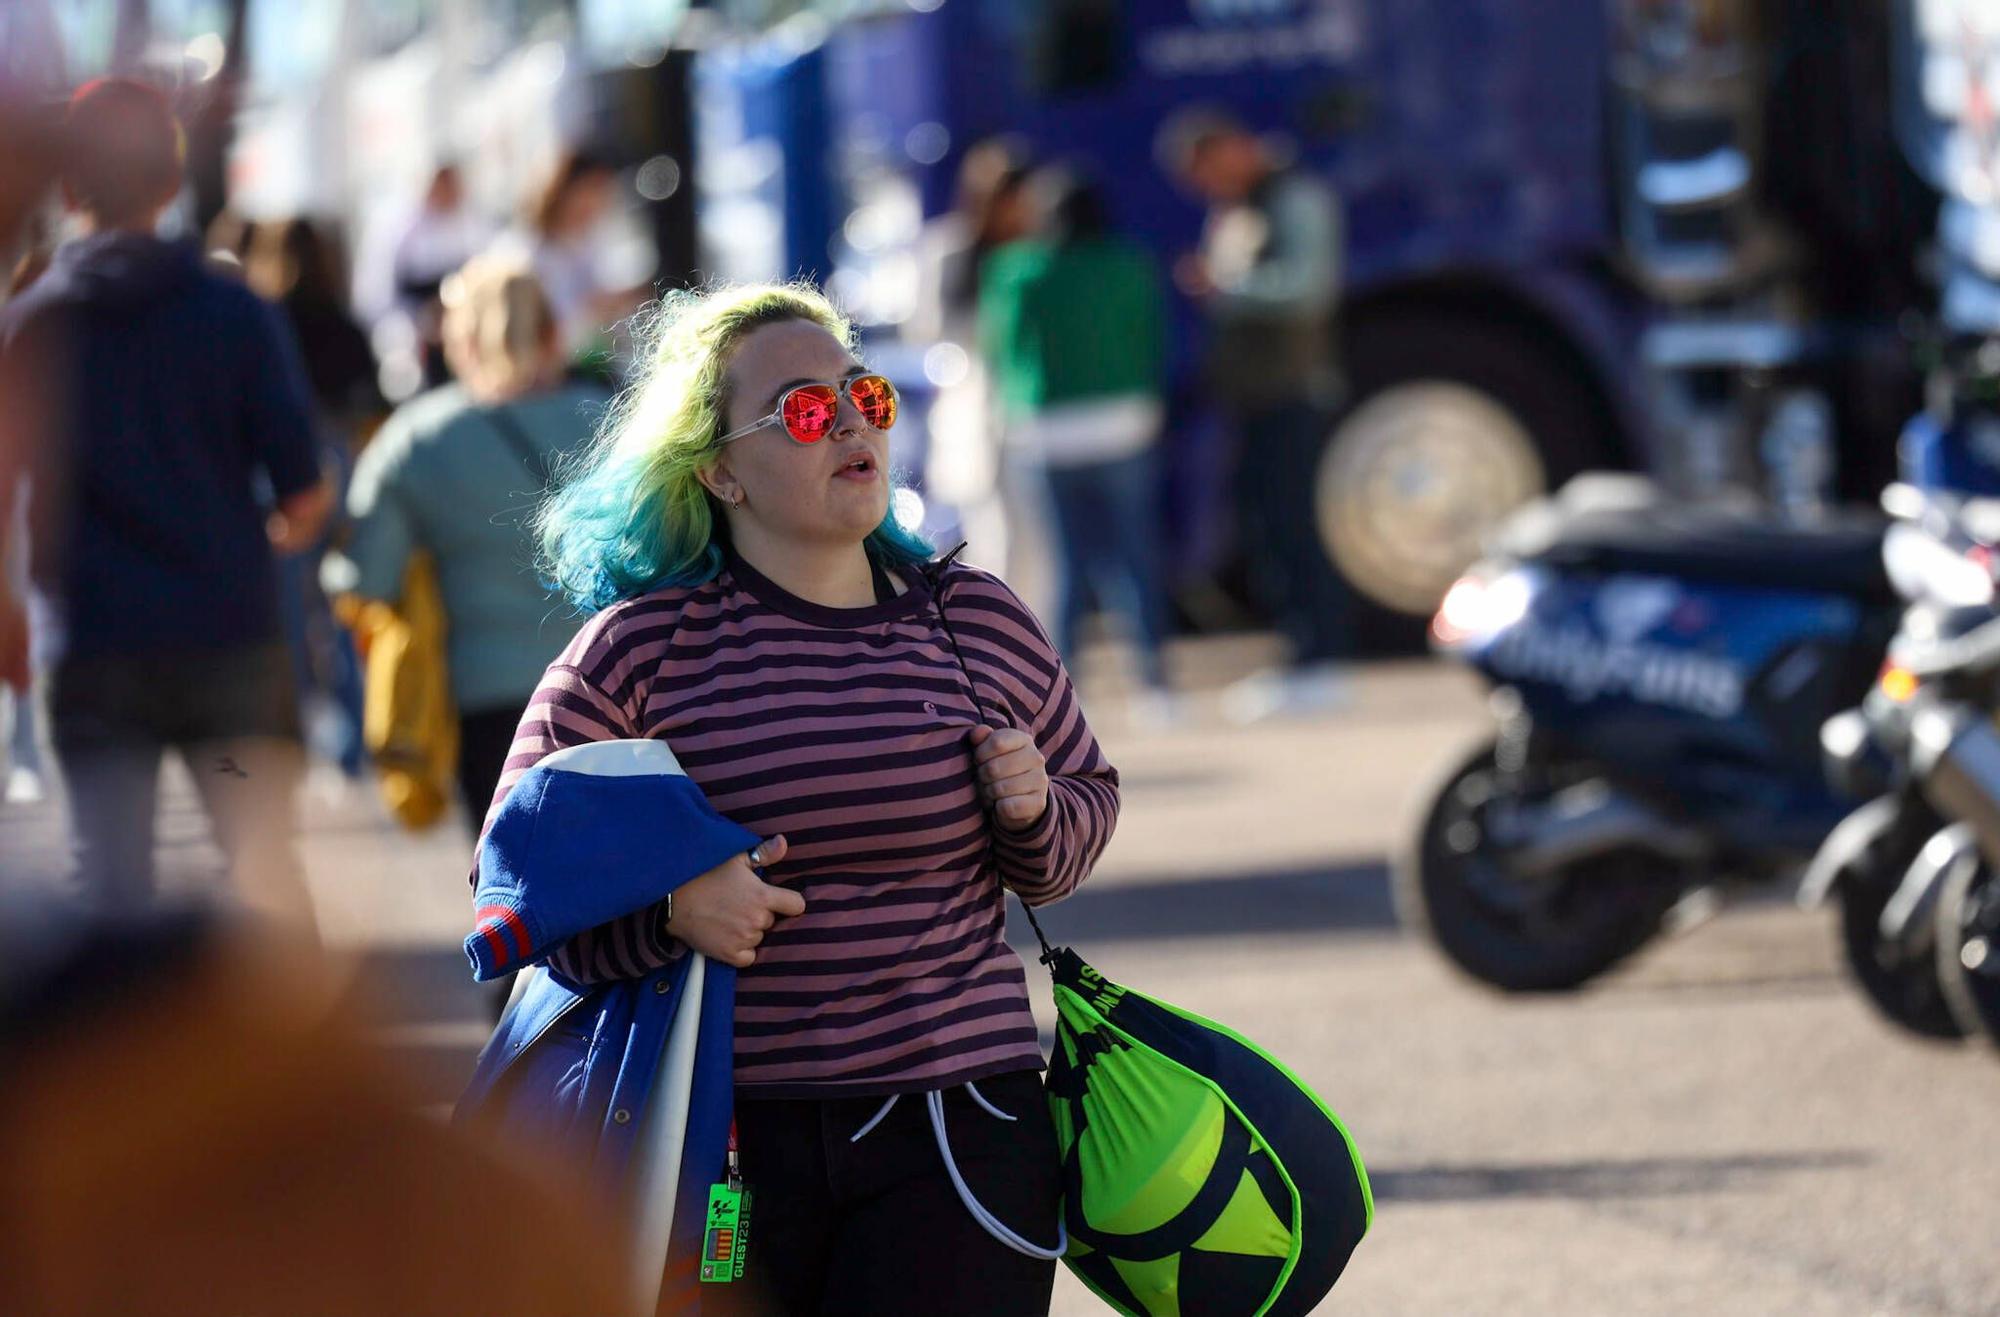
[1659, 675]
[1888, 864]
[1967, 940]
[1954, 756]
[1919, 912]
[1957, 756]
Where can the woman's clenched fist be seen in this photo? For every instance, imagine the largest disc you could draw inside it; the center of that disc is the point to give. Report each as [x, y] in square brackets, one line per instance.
[1013, 776]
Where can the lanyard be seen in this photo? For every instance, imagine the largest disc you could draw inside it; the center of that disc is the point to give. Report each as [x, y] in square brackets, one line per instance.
[725, 1235]
[735, 1171]
[936, 572]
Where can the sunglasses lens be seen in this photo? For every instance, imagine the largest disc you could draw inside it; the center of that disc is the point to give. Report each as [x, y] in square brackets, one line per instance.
[875, 398]
[809, 412]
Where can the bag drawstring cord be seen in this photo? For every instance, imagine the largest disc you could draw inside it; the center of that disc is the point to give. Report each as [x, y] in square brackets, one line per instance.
[934, 573]
[992, 1225]
[934, 1099]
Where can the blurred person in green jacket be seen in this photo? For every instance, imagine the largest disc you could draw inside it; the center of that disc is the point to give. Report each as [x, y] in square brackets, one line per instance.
[457, 472]
[1074, 327]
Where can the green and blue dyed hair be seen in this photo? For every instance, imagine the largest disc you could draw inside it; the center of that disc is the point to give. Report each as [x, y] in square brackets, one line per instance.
[630, 514]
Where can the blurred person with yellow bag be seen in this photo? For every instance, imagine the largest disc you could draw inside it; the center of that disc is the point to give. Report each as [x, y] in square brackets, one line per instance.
[409, 725]
[438, 567]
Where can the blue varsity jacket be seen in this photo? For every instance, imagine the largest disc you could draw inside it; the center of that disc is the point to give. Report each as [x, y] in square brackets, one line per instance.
[587, 835]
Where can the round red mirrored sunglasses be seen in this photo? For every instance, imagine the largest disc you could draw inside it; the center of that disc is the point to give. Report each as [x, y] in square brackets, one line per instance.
[809, 412]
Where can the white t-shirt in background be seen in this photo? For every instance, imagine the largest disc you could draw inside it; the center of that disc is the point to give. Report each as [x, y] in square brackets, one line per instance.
[1086, 433]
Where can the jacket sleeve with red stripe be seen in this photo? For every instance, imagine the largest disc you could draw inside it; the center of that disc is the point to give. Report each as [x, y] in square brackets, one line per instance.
[591, 828]
[574, 847]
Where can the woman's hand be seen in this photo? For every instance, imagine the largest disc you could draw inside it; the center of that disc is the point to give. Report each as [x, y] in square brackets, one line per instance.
[1012, 775]
[725, 912]
[296, 525]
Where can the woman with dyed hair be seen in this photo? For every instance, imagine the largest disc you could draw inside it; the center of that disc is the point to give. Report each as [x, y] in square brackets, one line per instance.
[902, 734]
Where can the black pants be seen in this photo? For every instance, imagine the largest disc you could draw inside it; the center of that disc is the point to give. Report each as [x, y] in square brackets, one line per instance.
[1276, 484]
[875, 1228]
[484, 738]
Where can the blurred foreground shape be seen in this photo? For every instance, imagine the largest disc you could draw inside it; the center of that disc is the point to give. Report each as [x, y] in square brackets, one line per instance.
[189, 1129]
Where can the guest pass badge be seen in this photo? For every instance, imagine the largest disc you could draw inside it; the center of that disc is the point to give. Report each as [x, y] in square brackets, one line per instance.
[725, 1239]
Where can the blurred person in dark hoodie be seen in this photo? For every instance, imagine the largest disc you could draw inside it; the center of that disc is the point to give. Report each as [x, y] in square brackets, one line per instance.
[167, 446]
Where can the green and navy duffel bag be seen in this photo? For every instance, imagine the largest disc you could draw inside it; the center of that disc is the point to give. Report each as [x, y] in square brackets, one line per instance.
[1200, 1177]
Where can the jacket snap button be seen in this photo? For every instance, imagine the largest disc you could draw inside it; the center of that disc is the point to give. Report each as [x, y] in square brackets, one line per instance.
[622, 1116]
[661, 985]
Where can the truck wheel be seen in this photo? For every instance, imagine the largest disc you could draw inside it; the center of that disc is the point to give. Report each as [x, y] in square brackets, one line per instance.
[1510, 932]
[1454, 425]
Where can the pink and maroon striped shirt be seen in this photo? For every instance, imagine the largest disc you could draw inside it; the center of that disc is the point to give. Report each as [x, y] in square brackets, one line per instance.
[847, 730]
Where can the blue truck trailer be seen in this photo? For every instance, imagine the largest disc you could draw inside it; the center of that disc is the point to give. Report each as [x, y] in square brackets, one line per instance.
[1666, 234]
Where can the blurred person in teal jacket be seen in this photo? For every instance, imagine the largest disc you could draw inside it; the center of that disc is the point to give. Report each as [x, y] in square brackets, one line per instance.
[456, 472]
[1074, 326]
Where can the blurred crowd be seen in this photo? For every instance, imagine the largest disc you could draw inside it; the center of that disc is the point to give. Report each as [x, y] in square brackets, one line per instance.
[196, 1117]
[437, 385]
[444, 377]
[272, 511]
[1051, 444]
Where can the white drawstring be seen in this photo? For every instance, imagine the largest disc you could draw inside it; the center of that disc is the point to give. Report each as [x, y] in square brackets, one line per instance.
[875, 1119]
[980, 1098]
[991, 1224]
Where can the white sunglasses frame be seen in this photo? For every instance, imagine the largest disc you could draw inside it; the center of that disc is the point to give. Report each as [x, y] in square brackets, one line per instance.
[840, 388]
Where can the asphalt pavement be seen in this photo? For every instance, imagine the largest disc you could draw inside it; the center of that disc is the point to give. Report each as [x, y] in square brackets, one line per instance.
[1720, 1128]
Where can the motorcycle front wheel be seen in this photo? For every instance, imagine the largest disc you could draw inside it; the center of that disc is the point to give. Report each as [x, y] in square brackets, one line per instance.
[1549, 933]
[1878, 844]
[1968, 948]
[1904, 990]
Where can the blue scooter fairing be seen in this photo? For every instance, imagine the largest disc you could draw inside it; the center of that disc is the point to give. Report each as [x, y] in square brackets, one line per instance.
[1689, 656]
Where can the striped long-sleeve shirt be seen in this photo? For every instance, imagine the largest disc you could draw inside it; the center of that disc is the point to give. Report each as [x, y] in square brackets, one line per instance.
[847, 730]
